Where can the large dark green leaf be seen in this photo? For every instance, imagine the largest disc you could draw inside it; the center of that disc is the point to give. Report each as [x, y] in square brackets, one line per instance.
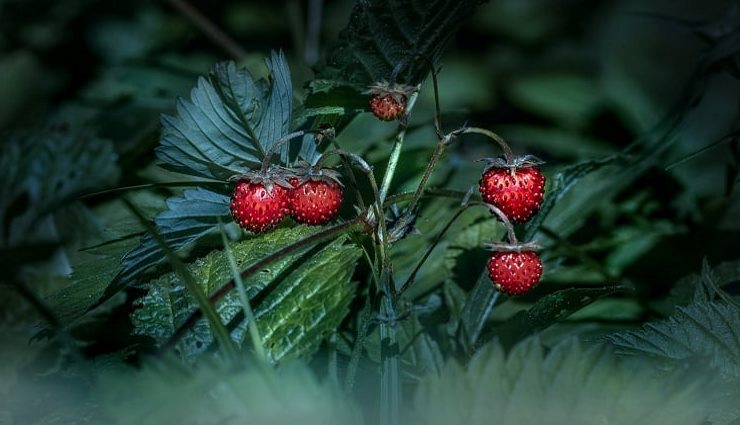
[187, 218]
[385, 33]
[229, 122]
[306, 300]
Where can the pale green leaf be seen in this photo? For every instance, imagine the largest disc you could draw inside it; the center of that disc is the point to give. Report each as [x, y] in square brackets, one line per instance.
[568, 385]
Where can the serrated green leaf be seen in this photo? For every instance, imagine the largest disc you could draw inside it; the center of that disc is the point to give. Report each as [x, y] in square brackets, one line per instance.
[568, 385]
[385, 33]
[309, 304]
[547, 311]
[708, 328]
[168, 304]
[187, 219]
[229, 123]
[309, 301]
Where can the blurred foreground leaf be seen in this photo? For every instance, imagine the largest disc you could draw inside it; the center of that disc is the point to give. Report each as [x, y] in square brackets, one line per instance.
[570, 384]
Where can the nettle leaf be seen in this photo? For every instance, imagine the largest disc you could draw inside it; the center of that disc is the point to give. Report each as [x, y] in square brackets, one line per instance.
[546, 312]
[708, 328]
[306, 300]
[229, 123]
[384, 33]
[569, 384]
[310, 303]
[42, 170]
[187, 219]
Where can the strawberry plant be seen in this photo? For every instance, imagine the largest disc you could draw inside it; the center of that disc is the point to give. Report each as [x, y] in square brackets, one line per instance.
[446, 212]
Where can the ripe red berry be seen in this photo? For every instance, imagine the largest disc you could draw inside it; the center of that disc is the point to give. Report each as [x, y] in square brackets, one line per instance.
[256, 208]
[388, 107]
[514, 273]
[314, 202]
[516, 191]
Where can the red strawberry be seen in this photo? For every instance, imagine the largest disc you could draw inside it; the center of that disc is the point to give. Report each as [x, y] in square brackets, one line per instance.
[314, 201]
[514, 273]
[259, 201]
[388, 101]
[517, 190]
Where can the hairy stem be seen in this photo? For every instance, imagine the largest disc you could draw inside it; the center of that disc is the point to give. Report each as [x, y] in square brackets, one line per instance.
[439, 193]
[427, 173]
[396, 152]
[511, 235]
[495, 137]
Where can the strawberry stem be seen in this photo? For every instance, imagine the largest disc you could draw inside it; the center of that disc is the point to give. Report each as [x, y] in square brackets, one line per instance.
[396, 152]
[511, 236]
[508, 154]
[285, 139]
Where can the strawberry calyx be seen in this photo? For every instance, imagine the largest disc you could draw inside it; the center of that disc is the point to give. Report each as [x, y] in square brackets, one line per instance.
[513, 163]
[399, 92]
[305, 172]
[273, 175]
[513, 246]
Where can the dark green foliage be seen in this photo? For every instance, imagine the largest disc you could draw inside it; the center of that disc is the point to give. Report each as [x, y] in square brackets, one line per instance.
[391, 36]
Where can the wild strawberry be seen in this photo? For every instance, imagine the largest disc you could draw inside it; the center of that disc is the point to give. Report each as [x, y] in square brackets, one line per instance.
[388, 101]
[316, 196]
[259, 201]
[516, 188]
[514, 273]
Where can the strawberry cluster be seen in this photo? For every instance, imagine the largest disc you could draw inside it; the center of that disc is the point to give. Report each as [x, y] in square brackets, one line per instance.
[514, 189]
[262, 199]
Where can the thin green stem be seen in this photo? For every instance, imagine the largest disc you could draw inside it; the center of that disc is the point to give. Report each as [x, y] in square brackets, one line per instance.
[396, 152]
[436, 155]
[365, 318]
[511, 235]
[495, 137]
[283, 140]
[254, 332]
[390, 390]
[439, 193]
[192, 183]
